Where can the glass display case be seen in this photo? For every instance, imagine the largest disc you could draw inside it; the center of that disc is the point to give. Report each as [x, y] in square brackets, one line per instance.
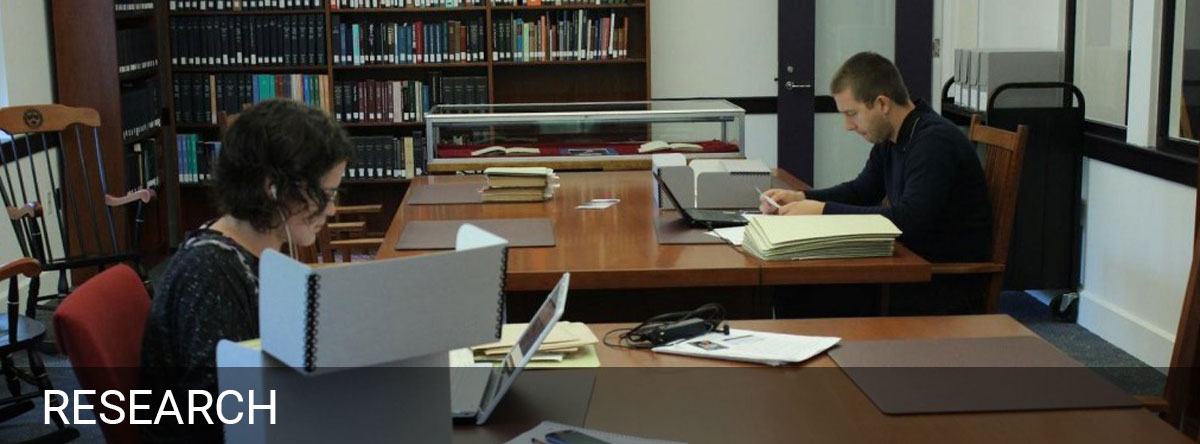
[601, 135]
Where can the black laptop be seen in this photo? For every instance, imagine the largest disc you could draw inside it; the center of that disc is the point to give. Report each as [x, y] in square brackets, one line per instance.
[703, 218]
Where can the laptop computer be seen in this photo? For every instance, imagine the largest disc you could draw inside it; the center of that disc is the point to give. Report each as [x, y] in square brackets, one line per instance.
[476, 391]
[703, 218]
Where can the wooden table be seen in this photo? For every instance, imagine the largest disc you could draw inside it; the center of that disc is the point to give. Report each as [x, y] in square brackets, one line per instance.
[708, 401]
[617, 248]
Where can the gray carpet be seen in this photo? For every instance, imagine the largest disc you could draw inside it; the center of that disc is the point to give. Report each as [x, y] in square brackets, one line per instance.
[1121, 368]
[1124, 370]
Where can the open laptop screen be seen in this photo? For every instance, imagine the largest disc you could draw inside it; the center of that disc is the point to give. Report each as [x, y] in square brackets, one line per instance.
[539, 328]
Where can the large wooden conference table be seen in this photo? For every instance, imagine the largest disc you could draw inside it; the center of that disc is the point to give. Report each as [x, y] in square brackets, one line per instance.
[617, 248]
[707, 401]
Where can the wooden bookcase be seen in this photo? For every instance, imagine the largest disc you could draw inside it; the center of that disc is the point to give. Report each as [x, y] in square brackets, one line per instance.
[623, 79]
[87, 74]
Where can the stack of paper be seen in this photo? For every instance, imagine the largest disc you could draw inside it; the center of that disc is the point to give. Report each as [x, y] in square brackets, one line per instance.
[775, 238]
[568, 342]
[519, 184]
[752, 346]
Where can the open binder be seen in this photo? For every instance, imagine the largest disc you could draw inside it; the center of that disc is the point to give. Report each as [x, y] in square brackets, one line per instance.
[370, 313]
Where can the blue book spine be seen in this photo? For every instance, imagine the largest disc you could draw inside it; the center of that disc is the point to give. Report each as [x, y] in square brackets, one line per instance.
[354, 41]
[254, 84]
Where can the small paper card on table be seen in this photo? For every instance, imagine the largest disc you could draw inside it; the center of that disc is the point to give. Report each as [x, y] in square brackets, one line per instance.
[598, 204]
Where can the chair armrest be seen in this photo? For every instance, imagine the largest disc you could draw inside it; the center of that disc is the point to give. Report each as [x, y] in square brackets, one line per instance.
[145, 195]
[359, 209]
[25, 266]
[370, 242]
[1155, 404]
[967, 268]
[31, 210]
[346, 227]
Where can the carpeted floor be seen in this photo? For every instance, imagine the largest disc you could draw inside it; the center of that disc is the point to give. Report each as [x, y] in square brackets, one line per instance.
[1121, 368]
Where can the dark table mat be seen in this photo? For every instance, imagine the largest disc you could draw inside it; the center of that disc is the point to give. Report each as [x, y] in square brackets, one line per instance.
[443, 234]
[443, 194]
[973, 375]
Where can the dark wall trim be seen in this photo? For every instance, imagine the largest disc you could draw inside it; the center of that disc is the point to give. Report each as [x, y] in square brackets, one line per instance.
[752, 105]
[1165, 67]
[914, 54]
[756, 105]
[1069, 43]
[1178, 169]
[824, 104]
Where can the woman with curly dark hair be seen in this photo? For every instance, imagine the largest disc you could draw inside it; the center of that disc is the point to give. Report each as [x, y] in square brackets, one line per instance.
[276, 178]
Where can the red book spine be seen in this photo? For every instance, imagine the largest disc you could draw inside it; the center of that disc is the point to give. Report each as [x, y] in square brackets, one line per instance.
[419, 47]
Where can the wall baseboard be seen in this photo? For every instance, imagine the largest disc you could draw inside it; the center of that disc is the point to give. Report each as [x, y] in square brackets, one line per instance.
[1134, 335]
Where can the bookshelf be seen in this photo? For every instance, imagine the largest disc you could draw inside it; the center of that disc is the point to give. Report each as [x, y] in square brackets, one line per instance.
[183, 206]
[107, 57]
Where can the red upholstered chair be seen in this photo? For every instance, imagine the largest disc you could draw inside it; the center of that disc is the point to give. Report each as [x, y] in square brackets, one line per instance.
[99, 327]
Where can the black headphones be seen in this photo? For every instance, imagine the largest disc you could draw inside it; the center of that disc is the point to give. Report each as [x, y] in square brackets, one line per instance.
[671, 327]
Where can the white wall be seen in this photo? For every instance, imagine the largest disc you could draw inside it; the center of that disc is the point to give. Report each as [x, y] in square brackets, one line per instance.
[27, 79]
[26, 41]
[1136, 259]
[689, 59]
[1020, 24]
[713, 48]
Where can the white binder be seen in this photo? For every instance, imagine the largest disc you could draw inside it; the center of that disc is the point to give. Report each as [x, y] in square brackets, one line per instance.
[361, 314]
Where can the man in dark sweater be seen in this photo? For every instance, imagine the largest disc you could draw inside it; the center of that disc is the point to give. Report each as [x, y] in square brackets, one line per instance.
[921, 163]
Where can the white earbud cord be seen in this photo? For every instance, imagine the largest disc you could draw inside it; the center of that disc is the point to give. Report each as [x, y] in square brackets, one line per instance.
[288, 231]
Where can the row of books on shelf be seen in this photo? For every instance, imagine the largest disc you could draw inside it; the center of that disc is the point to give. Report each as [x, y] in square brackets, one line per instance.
[254, 5]
[255, 40]
[139, 109]
[373, 157]
[133, 5]
[364, 4]
[403, 100]
[197, 158]
[243, 5]
[198, 97]
[558, 2]
[141, 165]
[572, 35]
[135, 49]
[387, 157]
[369, 42]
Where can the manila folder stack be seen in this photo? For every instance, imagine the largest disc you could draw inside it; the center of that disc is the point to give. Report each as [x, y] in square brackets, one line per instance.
[774, 238]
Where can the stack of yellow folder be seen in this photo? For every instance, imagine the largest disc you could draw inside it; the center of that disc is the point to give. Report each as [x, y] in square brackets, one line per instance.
[569, 344]
[519, 184]
[776, 238]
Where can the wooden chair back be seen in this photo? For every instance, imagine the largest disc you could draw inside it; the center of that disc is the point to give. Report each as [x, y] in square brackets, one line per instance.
[1004, 153]
[59, 200]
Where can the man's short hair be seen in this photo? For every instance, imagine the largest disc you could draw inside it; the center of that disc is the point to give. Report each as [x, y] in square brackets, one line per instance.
[870, 75]
[284, 142]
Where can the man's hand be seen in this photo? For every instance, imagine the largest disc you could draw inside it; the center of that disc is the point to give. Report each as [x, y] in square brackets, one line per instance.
[803, 208]
[781, 197]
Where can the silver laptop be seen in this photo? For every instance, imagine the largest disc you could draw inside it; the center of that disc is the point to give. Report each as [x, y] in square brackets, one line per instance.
[476, 391]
